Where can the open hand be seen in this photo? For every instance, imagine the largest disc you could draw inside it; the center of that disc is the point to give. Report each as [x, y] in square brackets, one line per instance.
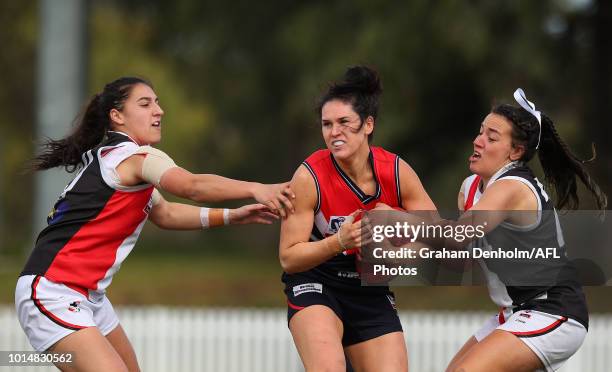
[277, 197]
[251, 213]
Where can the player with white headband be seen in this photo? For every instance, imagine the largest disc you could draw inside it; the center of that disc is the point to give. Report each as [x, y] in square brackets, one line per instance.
[543, 318]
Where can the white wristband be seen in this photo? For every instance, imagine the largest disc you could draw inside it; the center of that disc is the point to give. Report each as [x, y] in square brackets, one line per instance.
[226, 220]
[204, 217]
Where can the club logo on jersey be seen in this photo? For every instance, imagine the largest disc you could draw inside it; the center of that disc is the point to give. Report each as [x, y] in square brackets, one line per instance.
[147, 209]
[334, 223]
[74, 307]
[56, 214]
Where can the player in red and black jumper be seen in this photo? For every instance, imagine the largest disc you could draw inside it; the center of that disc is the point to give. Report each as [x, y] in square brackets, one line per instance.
[330, 313]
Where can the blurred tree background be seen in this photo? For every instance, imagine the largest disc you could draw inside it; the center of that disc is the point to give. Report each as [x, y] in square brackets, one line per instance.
[239, 83]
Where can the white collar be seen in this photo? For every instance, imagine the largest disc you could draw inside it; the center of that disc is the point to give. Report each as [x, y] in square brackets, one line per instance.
[125, 134]
[503, 170]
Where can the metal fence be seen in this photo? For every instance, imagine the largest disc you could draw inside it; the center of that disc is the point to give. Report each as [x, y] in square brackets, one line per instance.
[195, 339]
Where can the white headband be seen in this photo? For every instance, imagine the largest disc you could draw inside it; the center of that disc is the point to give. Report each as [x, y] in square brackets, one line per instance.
[521, 99]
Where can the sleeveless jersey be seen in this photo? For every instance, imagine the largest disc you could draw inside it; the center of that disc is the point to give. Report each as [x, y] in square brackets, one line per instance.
[94, 223]
[543, 284]
[337, 197]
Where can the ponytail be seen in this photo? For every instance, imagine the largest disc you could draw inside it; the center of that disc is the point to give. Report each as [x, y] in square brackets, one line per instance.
[91, 128]
[67, 152]
[561, 167]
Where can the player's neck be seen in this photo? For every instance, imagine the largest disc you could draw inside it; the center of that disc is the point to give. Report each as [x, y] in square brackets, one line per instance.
[358, 165]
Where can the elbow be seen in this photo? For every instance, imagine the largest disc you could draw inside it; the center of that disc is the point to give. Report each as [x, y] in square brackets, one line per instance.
[161, 220]
[286, 263]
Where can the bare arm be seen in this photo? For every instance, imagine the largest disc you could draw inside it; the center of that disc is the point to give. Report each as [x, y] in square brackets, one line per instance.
[178, 216]
[461, 196]
[494, 207]
[414, 196]
[296, 253]
[175, 216]
[498, 204]
[205, 187]
[209, 187]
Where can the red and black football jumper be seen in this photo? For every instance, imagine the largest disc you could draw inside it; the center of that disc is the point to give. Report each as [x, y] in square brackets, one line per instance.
[94, 223]
[366, 311]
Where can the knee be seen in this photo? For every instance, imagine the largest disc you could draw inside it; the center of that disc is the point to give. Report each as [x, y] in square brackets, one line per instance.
[327, 365]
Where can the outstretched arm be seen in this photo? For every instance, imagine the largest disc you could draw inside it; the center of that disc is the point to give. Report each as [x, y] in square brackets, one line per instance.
[504, 200]
[157, 168]
[178, 216]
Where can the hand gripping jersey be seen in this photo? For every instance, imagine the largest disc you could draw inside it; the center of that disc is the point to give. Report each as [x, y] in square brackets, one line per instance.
[337, 197]
[94, 223]
[544, 284]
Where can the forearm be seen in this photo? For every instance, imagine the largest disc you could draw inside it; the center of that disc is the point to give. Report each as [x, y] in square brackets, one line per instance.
[213, 188]
[177, 216]
[306, 255]
[205, 187]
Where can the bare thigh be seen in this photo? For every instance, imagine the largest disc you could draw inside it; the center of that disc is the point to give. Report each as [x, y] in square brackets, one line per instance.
[500, 351]
[91, 352]
[317, 333]
[384, 353]
[461, 353]
[118, 339]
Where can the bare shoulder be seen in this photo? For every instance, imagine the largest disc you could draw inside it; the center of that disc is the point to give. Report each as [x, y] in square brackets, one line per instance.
[406, 170]
[305, 189]
[507, 194]
[414, 196]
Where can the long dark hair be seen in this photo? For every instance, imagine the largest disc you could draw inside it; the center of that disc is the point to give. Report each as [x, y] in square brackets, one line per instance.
[560, 165]
[90, 128]
[361, 87]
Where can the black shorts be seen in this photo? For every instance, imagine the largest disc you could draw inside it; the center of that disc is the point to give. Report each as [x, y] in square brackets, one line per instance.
[364, 314]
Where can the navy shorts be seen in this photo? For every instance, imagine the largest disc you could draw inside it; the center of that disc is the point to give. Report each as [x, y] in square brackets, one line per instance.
[365, 312]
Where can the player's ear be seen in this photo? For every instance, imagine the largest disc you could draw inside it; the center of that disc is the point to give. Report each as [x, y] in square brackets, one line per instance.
[517, 152]
[369, 125]
[116, 117]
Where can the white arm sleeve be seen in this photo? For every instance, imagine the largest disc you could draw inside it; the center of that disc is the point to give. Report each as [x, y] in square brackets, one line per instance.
[155, 164]
[156, 197]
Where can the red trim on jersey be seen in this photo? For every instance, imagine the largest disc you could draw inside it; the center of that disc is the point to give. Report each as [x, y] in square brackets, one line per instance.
[46, 312]
[339, 196]
[105, 152]
[92, 250]
[542, 331]
[469, 201]
[295, 307]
